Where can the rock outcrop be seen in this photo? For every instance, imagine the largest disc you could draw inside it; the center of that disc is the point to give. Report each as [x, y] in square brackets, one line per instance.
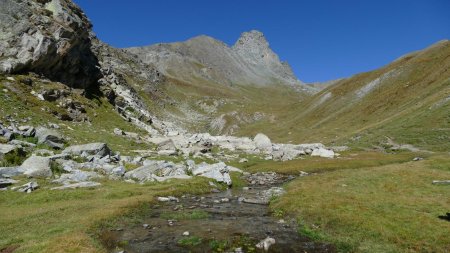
[49, 37]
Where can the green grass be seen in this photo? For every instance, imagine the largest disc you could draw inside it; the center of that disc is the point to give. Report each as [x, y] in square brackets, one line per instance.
[190, 241]
[14, 158]
[237, 180]
[21, 104]
[185, 215]
[62, 221]
[408, 107]
[33, 140]
[347, 160]
[390, 208]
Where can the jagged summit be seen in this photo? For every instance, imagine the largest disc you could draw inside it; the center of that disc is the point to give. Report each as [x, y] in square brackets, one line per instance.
[253, 39]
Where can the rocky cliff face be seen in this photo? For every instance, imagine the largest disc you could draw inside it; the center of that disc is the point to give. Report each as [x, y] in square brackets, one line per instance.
[52, 38]
[249, 61]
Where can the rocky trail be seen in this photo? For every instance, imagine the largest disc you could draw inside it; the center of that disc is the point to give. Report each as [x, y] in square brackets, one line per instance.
[234, 220]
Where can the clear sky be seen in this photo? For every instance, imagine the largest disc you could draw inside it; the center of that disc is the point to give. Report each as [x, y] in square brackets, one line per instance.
[322, 40]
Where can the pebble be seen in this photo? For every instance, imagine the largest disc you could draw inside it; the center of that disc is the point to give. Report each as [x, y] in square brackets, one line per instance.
[266, 243]
[167, 199]
[145, 226]
[303, 174]
[186, 233]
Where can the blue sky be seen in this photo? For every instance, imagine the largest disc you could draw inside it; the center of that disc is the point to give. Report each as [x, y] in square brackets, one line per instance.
[322, 40]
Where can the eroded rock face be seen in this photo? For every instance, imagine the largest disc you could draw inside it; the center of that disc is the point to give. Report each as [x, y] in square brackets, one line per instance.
[52, 38]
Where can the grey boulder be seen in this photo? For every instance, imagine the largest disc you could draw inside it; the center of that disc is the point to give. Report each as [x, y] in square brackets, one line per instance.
[218, 171]
[76, 176]
[157, 171]
[6, 149]
[49, 137]
[96, 149]
[28, 187]
[87, 184]
[37, 167]
[5, 182]
[11, 171]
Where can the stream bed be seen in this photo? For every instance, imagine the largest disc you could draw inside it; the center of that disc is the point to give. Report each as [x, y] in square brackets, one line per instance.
[235, 220]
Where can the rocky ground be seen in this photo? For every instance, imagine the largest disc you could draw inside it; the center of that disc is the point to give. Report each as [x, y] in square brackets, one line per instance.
[75, 166]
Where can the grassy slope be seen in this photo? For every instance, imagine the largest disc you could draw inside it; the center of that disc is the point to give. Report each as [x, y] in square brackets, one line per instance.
[244, 100]
[390, 208]
[64, 221]
[408, 107]
[404, 107]
[348, 160]
[19, 103]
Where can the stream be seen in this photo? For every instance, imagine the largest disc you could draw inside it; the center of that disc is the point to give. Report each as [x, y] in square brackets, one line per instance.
[235, 220]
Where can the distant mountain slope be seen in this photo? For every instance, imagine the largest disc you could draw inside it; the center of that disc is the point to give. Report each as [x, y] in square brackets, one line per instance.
[212, 87]
[203, 85]
[249, 61]
[407, 101]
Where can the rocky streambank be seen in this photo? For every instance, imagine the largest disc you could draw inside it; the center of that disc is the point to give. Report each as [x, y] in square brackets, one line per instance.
[235, 220]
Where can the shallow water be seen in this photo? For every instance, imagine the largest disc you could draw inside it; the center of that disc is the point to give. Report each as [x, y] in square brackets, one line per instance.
[212, 226]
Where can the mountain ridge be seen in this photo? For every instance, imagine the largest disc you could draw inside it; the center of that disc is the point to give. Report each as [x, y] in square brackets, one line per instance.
[249, 61]
[205, 85]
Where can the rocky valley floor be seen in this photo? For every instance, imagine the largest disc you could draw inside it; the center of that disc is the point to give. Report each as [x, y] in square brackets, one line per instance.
[78, 177]
[204, 193]
[198, 146]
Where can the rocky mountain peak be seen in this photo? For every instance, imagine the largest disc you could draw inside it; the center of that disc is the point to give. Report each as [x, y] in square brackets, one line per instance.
[253, 41]
[252, 38]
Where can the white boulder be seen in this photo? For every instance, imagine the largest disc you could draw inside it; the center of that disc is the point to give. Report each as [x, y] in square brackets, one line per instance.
[263, 143]
[323, 153]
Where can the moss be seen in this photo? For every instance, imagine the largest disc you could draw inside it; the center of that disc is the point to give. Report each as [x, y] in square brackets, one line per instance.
[185, 215]
[190, 241]
[14, 158]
